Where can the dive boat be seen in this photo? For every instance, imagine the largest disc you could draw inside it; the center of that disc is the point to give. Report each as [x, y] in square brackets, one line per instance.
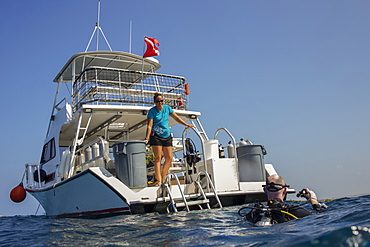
[94, 161]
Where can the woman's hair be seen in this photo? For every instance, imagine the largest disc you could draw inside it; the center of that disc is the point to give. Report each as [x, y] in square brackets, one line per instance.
[156, 95]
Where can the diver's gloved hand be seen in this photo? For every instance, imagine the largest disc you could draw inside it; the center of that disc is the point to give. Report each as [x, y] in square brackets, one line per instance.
[309, 195]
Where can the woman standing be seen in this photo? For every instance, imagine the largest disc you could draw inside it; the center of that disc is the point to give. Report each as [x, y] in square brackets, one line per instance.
[158, 135]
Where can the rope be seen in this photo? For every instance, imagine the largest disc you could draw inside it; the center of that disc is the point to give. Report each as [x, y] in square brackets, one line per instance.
[37, 210]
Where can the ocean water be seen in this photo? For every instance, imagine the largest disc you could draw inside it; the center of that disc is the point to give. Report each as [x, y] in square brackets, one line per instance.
[345, 223]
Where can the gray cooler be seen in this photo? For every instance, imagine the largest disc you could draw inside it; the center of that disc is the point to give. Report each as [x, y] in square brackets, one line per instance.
[251, 163]
[130, 163]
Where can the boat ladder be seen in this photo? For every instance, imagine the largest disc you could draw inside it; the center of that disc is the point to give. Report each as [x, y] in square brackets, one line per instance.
[191, 199]
[201, 132]
[77, 140]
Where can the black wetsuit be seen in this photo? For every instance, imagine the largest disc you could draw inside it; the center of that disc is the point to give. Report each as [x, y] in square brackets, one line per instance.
[280, 212]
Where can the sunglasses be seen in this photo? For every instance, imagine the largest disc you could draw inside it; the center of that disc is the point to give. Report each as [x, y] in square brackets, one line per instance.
[159, 101]
[272, 187]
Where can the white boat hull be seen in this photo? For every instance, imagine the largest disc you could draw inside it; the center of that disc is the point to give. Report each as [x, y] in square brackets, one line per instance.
[85, 194]
[96, 193]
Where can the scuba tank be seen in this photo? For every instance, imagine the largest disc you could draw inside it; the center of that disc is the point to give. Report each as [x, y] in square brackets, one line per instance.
[242, 142]
[230, 150]
[95, 150]
[221, 151]
[260, 215]
[265, 220]
[89, 155]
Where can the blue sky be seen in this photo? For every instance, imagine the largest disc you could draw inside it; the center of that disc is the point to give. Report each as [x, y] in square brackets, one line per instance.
[291, 75]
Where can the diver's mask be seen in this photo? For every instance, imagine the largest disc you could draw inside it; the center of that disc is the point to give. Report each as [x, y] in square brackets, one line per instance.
[273, 187]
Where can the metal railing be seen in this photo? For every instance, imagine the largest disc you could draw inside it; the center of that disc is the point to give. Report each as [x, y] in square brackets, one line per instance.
[209, 185]
[186, 203]
[93, 154]
[107, 86]
[30, 182]
[232, 141]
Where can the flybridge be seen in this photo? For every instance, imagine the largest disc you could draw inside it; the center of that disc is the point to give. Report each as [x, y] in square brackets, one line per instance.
[103, 86]
[119, 78]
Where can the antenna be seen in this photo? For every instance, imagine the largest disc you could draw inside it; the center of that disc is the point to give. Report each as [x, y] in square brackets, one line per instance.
[96, 30]
[129, 48]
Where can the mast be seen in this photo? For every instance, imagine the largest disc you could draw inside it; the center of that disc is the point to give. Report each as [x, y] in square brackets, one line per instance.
[98, 25]
[96, 30]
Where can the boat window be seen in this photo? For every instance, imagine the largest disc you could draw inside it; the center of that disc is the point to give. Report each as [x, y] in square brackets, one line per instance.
[48, 152]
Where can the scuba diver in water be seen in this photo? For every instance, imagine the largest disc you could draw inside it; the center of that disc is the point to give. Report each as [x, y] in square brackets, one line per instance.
[276, 210]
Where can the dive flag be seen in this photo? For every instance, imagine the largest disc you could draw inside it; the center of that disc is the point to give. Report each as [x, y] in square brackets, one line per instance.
[151, 47]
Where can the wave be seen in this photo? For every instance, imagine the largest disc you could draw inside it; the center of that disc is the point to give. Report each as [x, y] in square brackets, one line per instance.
[347, 236]
[345, 223]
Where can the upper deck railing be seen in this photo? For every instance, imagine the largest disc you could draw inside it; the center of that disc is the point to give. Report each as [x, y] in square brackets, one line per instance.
[107, 86]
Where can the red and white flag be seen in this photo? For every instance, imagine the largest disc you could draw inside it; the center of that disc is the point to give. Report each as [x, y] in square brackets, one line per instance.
[151, 47]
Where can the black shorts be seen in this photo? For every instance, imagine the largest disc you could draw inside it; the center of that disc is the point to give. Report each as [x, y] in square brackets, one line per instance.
[156, 140]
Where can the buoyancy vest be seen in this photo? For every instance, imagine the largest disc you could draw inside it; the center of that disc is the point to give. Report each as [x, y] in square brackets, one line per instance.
[277, 211]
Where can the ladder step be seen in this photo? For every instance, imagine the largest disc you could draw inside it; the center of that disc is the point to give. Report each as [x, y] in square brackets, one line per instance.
[191, 203]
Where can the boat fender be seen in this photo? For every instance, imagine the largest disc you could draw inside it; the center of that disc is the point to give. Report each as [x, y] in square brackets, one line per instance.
[42, 176]
[65, 163]
[187, 92]
[18, 194]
